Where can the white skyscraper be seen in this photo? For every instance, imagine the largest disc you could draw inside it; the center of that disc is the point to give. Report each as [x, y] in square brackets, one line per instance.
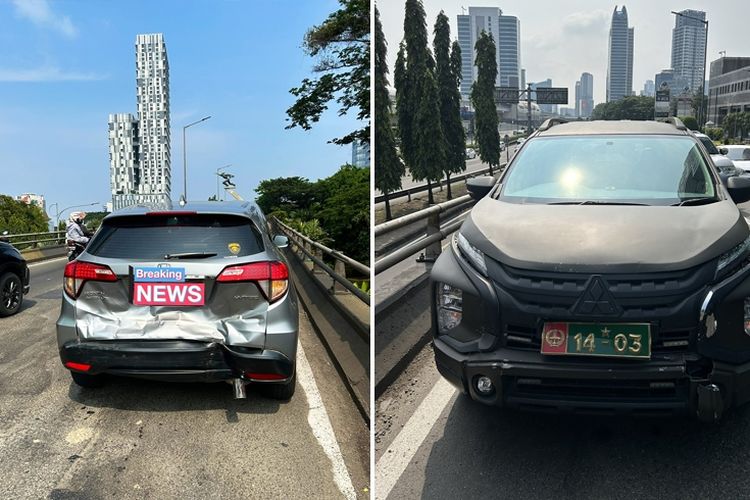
[140, 159]
[688, 46]
[505, 31]
[620, 68]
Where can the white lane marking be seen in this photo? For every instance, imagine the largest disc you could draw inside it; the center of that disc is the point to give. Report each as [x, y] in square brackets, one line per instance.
[321, 427]
[400, 453]
[50, 261]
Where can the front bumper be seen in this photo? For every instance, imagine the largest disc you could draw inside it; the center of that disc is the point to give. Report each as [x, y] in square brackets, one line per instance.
[528, 381]
[178, 360]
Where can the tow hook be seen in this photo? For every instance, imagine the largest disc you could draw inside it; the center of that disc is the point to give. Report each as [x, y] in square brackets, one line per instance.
[239, 388]
[710, 403]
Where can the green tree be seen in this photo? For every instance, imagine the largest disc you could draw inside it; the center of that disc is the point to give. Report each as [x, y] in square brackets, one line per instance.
[345, 211]
[447, 72]
[294, 195]
[421, 133]
[342, 44]
[483, 99]
[17, 217]
[388, 166]
[627, 108]
[690, 122]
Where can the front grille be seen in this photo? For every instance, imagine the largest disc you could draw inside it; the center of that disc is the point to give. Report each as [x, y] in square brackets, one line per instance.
[555, 295]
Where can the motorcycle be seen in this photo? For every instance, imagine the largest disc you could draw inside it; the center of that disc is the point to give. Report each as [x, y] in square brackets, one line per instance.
[75, 249]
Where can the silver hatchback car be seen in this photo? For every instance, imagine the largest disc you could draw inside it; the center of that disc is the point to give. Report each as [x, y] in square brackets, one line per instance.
[198, 292]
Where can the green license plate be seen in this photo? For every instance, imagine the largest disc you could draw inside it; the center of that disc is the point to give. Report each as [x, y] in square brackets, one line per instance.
[614, 340]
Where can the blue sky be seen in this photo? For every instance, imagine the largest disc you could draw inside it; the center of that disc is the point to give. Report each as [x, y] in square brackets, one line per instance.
[65, 65]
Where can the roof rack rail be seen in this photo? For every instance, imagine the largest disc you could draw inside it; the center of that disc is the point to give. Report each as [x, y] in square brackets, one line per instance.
[673, 120]
[551, 122]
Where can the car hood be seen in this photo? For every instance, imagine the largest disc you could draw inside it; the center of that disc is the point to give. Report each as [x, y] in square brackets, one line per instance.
[604, 238]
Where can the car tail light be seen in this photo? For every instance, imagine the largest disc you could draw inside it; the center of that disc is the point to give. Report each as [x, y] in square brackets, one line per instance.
[78, 273]
[265, 376]
[81, 367]
[272, 277]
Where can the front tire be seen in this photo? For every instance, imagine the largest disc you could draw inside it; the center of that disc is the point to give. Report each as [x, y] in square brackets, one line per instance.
[282, 392]
[11, 294]
[87, 381]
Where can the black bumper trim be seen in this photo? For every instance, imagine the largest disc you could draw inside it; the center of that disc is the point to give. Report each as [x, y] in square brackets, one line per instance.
[177, 360]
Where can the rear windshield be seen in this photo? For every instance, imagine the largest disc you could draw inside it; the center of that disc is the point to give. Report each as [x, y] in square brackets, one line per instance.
[154, 236]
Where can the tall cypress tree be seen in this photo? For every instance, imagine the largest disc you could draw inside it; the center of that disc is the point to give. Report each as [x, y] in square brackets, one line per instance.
[483, 99]
[388, 166]
[450, 102]
[422, 142]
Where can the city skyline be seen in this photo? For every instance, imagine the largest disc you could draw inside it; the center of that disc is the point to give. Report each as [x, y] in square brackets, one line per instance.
[59, 86]
[562, 40]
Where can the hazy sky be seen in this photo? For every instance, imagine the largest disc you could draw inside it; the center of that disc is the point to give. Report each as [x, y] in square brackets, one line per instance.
[65, 65]
[562, 39]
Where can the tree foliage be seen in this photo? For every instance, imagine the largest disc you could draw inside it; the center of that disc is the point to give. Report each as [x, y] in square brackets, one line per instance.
[690, 122]
[422, 141]
[17, 217]
[341, 204]
[446, 64]
[388, 166]
[483, 99]
[627, 108]
[342, 45]
[736, 125]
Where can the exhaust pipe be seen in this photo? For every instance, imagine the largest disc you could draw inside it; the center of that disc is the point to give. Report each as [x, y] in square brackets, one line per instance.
[239, 388]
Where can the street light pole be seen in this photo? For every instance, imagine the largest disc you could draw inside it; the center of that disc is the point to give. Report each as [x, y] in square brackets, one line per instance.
[184, 157]
[701, 121]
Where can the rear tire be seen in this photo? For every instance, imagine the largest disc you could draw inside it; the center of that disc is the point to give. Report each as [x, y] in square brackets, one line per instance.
[11, 294]
[87, 381]
[283, 392]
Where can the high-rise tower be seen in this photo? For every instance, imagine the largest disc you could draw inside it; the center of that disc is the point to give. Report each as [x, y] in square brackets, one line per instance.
[688, 45]
[620, 68]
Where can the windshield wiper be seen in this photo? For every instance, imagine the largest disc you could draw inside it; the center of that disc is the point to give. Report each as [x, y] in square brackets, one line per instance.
[597, 202]
[703, 200]
[189, 255]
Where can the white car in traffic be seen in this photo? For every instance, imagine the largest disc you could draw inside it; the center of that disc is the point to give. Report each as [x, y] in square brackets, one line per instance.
[739, 154]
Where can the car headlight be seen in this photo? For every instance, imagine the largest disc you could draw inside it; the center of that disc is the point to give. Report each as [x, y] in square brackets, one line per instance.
[472, 254]
[449, 307]
[731, 256]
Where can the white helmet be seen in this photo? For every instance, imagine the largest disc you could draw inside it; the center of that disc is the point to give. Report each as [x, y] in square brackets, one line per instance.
[74, 216]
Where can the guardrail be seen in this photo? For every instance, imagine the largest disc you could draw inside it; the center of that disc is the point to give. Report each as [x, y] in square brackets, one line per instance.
[36, 240]
[444, 182]
[434, 233]
[314, 251]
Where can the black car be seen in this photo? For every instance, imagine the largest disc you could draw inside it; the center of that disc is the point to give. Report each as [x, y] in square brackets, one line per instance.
[14, 279]
[606, 271]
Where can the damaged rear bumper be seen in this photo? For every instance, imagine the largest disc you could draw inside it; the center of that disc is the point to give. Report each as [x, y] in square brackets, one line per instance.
[179, 360]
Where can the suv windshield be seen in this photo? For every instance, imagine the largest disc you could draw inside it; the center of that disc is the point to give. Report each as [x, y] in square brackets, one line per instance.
[154, 236]
[658, 170]
[709, 145]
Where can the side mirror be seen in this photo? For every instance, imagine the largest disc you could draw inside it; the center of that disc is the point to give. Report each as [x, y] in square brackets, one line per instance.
[478, 187]
[739, 189]
[281, 241]
[724, 151]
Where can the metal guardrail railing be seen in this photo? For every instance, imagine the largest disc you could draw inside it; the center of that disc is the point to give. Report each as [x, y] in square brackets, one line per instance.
[434, 234]
[314, 251]
[444, 182]
[36, 240]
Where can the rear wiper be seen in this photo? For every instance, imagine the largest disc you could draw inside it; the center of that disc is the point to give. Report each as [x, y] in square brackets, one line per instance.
[597, 202]
[694, 201]
[189, 255]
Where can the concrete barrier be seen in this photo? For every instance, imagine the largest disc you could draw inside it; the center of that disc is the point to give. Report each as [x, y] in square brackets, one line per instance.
[44, 253]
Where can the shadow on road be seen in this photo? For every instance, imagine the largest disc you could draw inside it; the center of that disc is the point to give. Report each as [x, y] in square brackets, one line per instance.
[145, 395]
[490, 453]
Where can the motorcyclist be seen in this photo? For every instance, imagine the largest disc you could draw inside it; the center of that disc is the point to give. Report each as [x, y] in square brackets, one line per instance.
[76, 234]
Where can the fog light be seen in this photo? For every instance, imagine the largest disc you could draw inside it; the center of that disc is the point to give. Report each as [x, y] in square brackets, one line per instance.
[449, 307]
[484, 385]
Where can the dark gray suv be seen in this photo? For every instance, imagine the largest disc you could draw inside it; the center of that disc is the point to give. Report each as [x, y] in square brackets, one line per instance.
[606, 271]
[198, 292]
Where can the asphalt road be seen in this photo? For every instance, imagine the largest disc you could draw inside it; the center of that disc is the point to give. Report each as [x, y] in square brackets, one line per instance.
[143, 439]
[433, 442]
